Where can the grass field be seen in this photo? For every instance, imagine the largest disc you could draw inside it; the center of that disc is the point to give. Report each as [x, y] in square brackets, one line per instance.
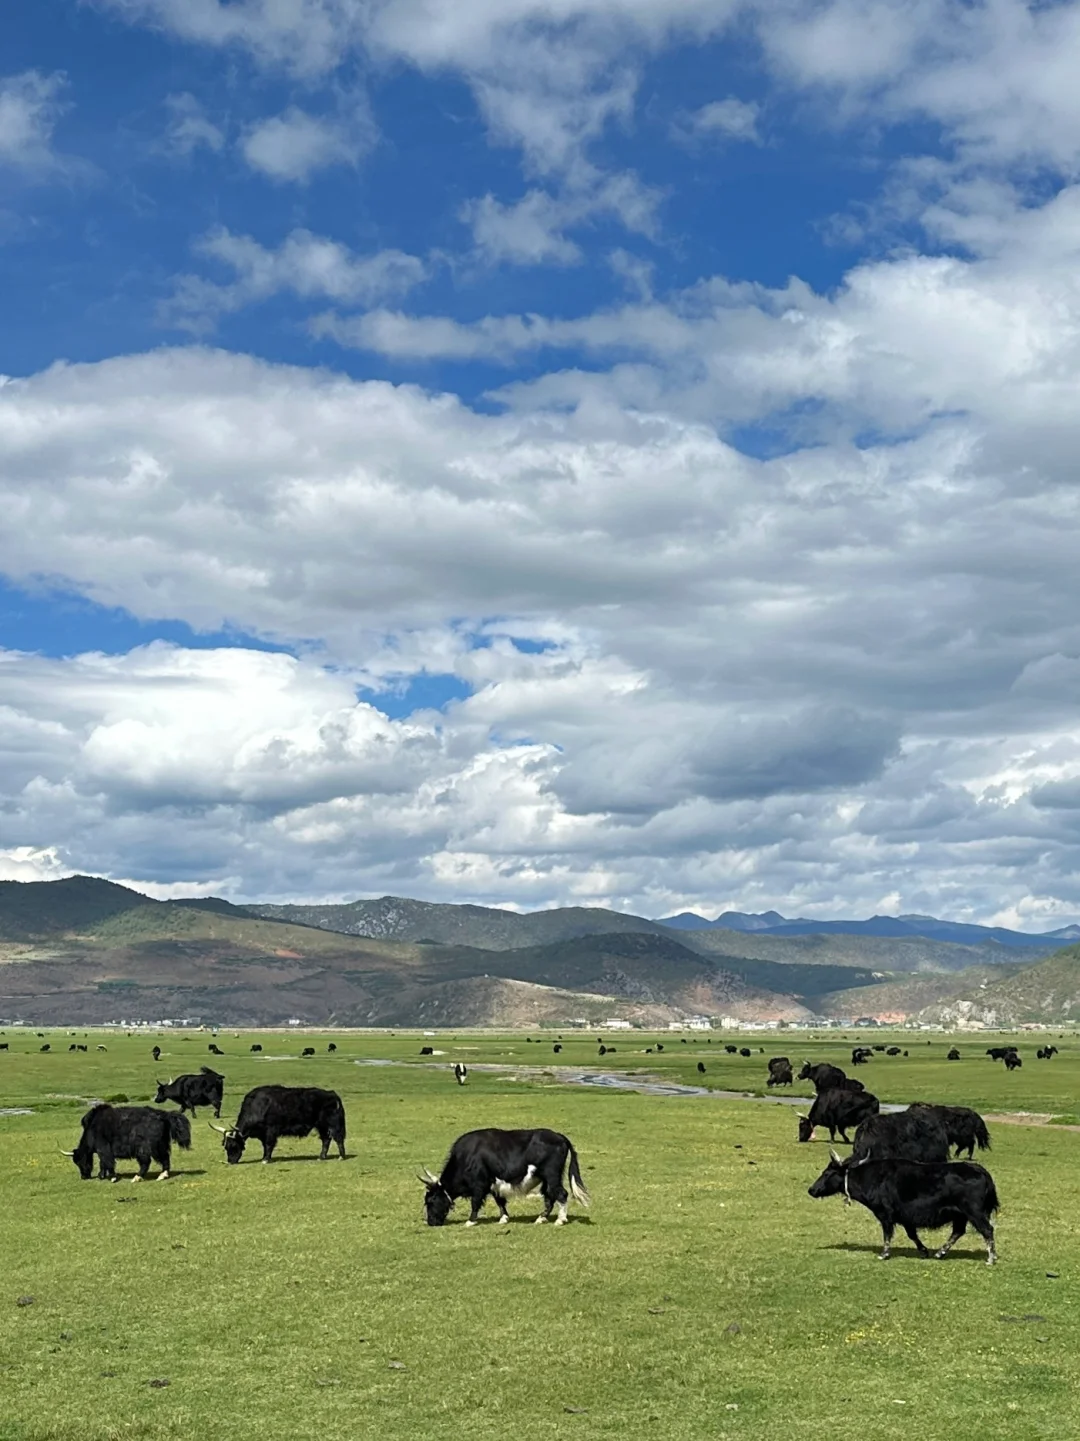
[704, 1295]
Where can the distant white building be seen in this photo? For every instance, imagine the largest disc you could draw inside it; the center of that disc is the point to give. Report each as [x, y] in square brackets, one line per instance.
[616, 1025]
[698, 1023]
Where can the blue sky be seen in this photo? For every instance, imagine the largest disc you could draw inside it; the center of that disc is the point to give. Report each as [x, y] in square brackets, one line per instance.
[595, 451]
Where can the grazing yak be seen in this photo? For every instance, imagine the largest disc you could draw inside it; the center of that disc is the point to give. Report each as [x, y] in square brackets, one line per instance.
[999, 1053]
[205, 1089]
[461, 1073]
[1045, 1052]
[917, 1135]
[916, 1196]
[504, 1164]
[838, 1110]
[156, 1053]
[824, 1077]
[125, 1133]
[1013, 1062]
[780, 1072]
[964, 1127]
[954, 1055]
[860, 1055]
[701, 1068]
[254, 1049]
[308, 1051]
[269, 1112]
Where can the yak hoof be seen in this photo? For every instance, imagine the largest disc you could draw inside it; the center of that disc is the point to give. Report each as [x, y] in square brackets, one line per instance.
[135, 1178]
[560, 1222]
[164, 1176]
[504, 1219]
[539, 1220]
[472, 1223]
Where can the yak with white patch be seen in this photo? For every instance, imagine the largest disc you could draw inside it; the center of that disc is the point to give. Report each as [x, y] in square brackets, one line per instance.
[129, 1133]
[504, 1164]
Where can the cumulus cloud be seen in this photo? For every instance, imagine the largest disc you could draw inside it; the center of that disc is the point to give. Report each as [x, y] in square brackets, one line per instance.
[190, 127]
[305, 265]
[729, 119]
[294, 145]
[30, 106]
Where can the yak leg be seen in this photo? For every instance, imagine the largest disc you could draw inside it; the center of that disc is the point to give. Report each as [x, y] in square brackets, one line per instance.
[340, 1143]
[504, 1214]
[477, 1205]
[913, 1235]
[324, 1138]
[269, 1142]
[959, 1226]
[887, 1229]
[986, 1231]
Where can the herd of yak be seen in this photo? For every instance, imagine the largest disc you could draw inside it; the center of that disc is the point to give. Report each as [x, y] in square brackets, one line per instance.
[899, 1167]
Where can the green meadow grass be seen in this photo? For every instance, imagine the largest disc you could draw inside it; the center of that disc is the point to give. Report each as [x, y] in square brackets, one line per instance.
[704, 1295]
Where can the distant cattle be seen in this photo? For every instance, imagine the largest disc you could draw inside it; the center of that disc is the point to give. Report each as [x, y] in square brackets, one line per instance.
[611, 1050]
[659, 1046]
[825, 1077]
[860, 1055]
[461, 1073]
[72, 1047]
[701, 1068]
[427, 1050]
[156, 1053]
[308, 1051]
[964, 1127]
[102, 1048]
[502, 1164]
[205, 1089]
[732, 1050]
[780, 1072]
[254, 1049]
[838, 1110]
[215, 1050]
[556, 1049]
[3, 1045]
[916, 1196]
[1013, 1062]
[125, 1133]
[744, 1051]
[998, 1053]
[602, 1051]
[916, 1135]
[893, 1051]
[80, 1048]
[331, 1047]
[269, 1112]
[45, 1047]
[954, 1055]
[879, 1048]
[1045, 1052]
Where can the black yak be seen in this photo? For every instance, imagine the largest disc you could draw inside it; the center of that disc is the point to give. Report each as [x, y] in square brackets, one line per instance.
[125, 1133]
[269, 1112]
[504, 1164]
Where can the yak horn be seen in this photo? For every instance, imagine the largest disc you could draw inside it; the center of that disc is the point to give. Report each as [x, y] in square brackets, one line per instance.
[223, 1129]
[62, 1151]
[428, 1179]
[836, 1158]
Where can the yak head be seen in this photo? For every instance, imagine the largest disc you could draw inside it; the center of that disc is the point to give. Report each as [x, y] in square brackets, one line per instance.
[806, 1129]
[438, 1203]
[233, 1142]
[831, 1180]
[804, 1074]
[83, 1156]
[163, 1092]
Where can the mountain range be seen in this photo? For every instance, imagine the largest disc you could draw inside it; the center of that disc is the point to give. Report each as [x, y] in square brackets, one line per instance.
[88, 950]
[897, 927]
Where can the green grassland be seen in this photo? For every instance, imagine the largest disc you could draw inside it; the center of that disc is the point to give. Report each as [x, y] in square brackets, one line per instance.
[703, 1295]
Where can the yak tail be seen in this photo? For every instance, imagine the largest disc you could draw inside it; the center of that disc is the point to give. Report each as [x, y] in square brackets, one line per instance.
[992, 1202]
[982, 1135]
[577, 1185]
[180, 1129]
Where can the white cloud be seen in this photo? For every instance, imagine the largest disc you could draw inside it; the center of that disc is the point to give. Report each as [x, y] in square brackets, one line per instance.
[305, 265]
[294, 145]
[190, 127]
[30, 106]
[729, 119]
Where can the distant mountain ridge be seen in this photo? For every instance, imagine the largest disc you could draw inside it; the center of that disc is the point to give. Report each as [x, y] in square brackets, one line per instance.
[894, 927]
[88, 950]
